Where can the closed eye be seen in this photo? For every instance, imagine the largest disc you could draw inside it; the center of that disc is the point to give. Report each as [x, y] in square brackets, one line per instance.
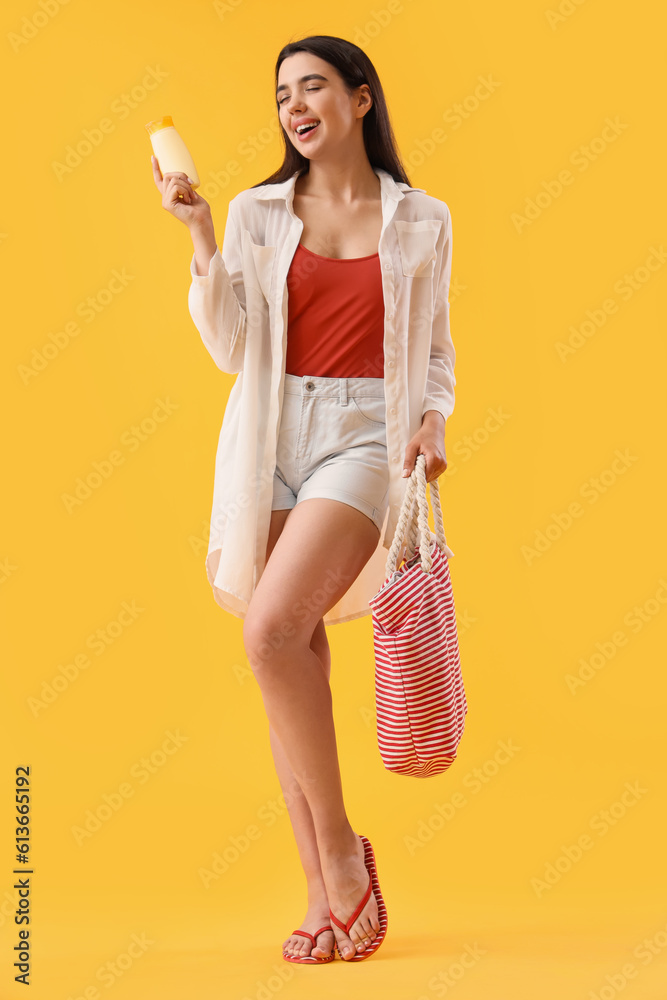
[283, 99]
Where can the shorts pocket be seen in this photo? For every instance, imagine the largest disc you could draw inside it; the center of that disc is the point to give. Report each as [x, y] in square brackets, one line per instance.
[370, 408]
[417, 244]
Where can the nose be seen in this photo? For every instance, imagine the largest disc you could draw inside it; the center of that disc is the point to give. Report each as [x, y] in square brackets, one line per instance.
[293, 104]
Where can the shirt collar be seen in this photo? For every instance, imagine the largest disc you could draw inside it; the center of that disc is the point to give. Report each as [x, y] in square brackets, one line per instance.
[389, 188]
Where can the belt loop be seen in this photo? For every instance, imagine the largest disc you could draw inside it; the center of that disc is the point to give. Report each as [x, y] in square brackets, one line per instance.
[342, 384]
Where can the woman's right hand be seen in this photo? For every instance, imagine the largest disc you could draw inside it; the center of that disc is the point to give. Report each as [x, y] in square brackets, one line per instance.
[179, 198]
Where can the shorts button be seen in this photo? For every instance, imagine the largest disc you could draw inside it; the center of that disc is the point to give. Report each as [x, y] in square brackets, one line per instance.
[310, 385]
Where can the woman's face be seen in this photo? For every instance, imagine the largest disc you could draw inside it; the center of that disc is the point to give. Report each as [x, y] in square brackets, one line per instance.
[321, 98]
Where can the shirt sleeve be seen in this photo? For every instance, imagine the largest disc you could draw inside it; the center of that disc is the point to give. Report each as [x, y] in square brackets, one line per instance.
[217, 300]
[440, 379]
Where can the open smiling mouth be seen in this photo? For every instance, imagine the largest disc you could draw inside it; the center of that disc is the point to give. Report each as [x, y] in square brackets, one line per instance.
[306, 130]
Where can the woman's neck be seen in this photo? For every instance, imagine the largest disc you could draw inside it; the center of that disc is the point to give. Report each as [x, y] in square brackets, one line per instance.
[345, 182]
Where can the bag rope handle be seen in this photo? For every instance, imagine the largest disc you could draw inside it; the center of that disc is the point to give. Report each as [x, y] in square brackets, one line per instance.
[418, 527]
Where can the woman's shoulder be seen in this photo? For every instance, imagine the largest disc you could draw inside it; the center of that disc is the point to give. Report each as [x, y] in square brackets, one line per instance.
[418, 204]
[251, 204]
[243, 201]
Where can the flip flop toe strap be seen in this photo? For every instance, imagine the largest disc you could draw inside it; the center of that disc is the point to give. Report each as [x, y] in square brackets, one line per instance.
[366, 897]
[313, 937]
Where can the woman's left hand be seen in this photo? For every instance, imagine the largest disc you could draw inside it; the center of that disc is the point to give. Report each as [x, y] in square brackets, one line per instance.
[429, 441]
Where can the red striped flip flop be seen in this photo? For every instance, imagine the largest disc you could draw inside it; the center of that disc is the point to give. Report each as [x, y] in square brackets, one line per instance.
[312, 959]
[374, 887]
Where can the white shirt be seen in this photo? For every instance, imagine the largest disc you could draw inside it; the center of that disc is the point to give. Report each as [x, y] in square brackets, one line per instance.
[240, 311]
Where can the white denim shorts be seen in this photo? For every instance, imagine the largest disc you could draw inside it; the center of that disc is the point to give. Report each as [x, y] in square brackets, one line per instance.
[332, 443]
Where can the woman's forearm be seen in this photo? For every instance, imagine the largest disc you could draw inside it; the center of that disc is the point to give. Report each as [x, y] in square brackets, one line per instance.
[203, 239]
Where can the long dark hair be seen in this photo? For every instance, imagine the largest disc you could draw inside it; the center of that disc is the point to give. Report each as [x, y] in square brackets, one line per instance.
[355, 68]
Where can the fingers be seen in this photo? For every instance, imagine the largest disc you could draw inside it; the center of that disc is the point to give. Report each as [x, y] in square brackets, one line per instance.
[436, 462]
[177, 189]
[157, 173]
[410, 459]
[174, 187]
[431, 470]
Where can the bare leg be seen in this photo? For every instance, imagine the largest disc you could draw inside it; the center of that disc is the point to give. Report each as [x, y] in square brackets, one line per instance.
[317, 913]
[322, 548]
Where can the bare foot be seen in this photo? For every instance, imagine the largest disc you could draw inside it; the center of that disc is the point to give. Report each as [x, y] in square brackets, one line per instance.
[346, 879]
[298, 946]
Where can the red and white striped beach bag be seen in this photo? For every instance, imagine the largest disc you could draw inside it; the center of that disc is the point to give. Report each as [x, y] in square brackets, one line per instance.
[419, 696]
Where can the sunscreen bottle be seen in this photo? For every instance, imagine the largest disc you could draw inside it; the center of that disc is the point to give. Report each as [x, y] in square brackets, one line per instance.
[172, 154]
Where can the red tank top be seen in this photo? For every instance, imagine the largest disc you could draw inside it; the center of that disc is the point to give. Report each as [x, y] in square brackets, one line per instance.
[335, 316]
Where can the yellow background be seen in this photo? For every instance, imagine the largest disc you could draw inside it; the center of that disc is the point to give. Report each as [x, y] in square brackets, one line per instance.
[526, 621]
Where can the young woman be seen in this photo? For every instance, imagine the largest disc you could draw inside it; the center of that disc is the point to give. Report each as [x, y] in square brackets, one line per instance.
[330, 304]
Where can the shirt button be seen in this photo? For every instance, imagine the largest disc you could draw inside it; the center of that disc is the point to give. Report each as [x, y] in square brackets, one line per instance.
[310, 385]
[387, 264]
[395, 458]
[393, 410]
[391, 364]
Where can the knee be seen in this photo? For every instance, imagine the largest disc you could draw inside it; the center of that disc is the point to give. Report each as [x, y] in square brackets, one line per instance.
[266, 638]
[319, 643]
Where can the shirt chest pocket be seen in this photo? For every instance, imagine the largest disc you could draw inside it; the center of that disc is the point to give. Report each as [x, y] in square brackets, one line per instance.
[417, 244]
[263, 259]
